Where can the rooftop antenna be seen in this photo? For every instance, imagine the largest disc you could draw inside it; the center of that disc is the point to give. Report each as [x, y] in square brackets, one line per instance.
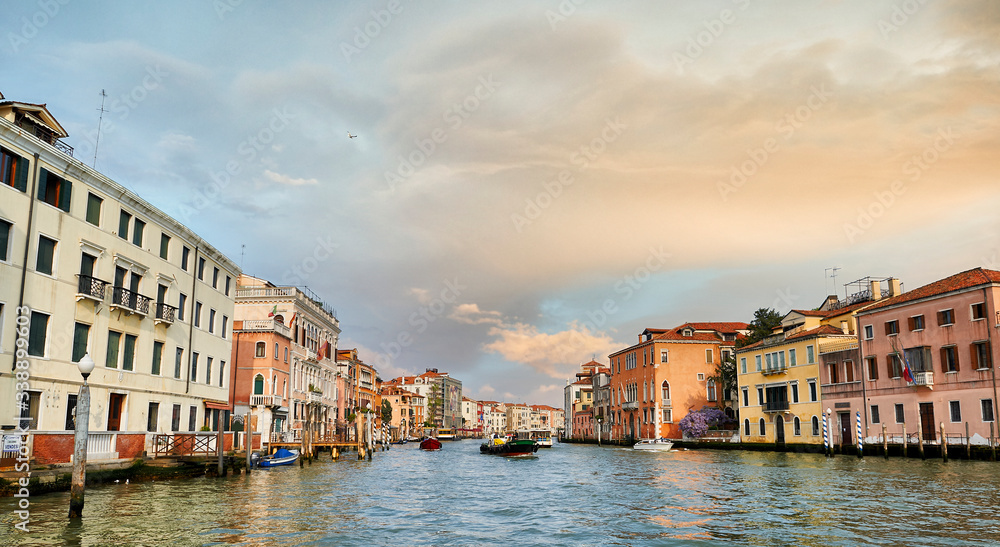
[834, 276]
[243, 249]
[100, 123]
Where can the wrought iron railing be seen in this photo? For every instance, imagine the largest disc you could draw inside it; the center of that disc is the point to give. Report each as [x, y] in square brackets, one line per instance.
[775, 406]
[165, 312]
[63, 147]
[91, 287]
[185, 444]
[120, 296]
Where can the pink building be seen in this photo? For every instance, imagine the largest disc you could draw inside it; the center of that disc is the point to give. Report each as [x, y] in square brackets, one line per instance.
[944, 332]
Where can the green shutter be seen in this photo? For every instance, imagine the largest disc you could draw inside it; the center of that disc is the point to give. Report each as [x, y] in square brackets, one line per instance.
[129, 356]
[157, 356]
[21, 174]
[65, 194]
[113, 342]
[36, 334]
[43, 182]
[80, 335]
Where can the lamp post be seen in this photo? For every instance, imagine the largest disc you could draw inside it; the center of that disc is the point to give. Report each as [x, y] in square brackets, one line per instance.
[599, 432]
[86, 366]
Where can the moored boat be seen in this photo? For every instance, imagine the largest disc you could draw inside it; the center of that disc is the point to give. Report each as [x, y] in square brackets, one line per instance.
[430, 443]
[281, 457]
[653, 444]
[509, 446]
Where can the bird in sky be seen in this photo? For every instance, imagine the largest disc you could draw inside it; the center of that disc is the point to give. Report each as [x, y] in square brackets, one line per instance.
[349, 136]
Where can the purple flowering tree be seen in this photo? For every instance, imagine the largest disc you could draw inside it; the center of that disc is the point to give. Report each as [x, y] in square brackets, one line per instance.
[697, 423]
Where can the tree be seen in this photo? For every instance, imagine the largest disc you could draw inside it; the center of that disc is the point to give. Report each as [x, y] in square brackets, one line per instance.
[764, 321]
[725, 376]
[386, 411]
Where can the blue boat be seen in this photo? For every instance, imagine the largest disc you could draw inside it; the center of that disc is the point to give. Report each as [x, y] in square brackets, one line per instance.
[281, 457]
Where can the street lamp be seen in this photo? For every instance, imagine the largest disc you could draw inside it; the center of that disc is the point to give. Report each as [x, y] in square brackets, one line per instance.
[599, 432]
[86, 366]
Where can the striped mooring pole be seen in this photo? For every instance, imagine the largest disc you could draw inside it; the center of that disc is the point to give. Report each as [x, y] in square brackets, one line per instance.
[826, 437]
[860, 441]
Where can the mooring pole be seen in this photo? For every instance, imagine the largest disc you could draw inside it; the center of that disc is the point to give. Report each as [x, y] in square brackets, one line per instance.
[968, 448]
[906, 442]
[885, 443]
[944, 444]
[920, 443]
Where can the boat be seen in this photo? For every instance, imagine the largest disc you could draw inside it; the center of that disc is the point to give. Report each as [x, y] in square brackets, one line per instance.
[430, 443]
[542, 436]
[281, 457]
[448, 434]
[653, 444]
[544, 442]
[509, 446]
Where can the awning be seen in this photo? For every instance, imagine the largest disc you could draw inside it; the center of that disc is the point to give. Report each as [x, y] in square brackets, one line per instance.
[217, 405]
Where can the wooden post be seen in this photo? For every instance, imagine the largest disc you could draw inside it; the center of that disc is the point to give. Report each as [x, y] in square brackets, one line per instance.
[944, 444]
[79, 477]
[993, 446]
[219, 437]
[920, 442]
[968, 443]
[885, 443]
[906, 442]
[247, 440]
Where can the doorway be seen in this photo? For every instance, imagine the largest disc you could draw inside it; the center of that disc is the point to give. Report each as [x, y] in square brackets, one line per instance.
[115, 405]
[927, 421]
[846, 439]
[779, 430]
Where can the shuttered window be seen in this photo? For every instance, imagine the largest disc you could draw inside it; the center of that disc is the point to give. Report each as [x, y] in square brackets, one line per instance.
[54, 190]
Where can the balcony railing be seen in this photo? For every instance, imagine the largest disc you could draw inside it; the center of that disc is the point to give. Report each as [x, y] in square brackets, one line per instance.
[923, 378]
[266, 325]
[265, 400]
[90, 287]
[165, 312]
[774, 370]
[775, 406]
[630, 405]
[315, 397]
[132, 301]
[264, 292]
[63, 147]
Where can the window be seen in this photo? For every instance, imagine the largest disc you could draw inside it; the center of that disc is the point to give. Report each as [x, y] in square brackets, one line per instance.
[833, 373]
[123, 221]
[222, 374]
[708, 356]
[955, 410]
[175, 419]
[201, 269]
[743, 365]
[71, 412]
[152, 417]
[813, 396]
[275, 350]
[874, 412]
[54, 190]
[795, 393]
[177, 364]
[919, 358]
[94, 209]
[137, 230]
[797, 427]
[194, 367]
[81, 334]
[260, 349]
[211, 321]
[29, 411]
[815, 426]
[916, 322]
[848, 371]
[746, 397]
[37, 330]
[258, 385]
[286, 355]
[45, 259]
[899, 413]
[181, 304]
[5, 229]
[757, 360]
[193, 419]
[978, 311]
[208, 371]
[894, 366]
[810, 354]
[13, 170]
[128, 356]
[664, 356]
[114, 344]
[164, 246]
[869, 332]
[891, 327]
[185, 253]
[746, 427]
[668, 415]
[871, 363]
[157, 357]
[981, 355]
[761, 427]
[987, 408]
[228, 281]
[225, 326]
[710, 388]
[197, 314]
[760, 396]
[215, 279]
[791, 357]
[946, 317]
[949, 359]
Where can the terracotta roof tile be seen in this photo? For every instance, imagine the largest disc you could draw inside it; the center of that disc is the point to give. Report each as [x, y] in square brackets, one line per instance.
[721, 326]
[964, 280]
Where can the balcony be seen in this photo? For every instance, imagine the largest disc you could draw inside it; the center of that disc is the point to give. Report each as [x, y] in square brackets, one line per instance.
[315, 397]
[775, 406]
[774, 370]
[128, 300]
[90, 288]
[165, 313]
[265, 400]
[630, 405]
[266, 325]
[923, 379]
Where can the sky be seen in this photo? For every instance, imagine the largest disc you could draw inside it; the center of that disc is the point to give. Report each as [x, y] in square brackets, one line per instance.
[532, 184]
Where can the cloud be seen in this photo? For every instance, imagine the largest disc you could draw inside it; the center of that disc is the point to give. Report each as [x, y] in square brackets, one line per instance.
[556, 355]
[285, 179]
[470, 314]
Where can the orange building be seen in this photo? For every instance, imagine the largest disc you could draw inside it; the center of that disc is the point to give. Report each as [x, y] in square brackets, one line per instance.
[668, 373]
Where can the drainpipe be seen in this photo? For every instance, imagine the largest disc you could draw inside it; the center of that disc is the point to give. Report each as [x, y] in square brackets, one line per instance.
[194, 286]
[27, 246]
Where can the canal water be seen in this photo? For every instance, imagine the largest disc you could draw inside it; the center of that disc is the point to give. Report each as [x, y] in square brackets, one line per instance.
[568, 495]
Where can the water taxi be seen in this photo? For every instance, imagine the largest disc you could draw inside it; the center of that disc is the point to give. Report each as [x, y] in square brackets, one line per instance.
[509, 446]
[446, 434]
[653, 444]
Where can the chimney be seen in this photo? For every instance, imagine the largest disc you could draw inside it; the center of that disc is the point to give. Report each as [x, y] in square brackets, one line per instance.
[844, 327]
[895, 288]
[876, 289]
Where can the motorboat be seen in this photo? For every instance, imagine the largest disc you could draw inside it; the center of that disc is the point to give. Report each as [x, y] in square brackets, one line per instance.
[653, 444]
[430, 443]
[509, 446]
[281, 457]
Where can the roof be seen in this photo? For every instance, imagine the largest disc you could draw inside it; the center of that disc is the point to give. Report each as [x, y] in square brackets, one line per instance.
[834, 312]
[44, 117]
[822, 330]
[728, 327]
[964, 280]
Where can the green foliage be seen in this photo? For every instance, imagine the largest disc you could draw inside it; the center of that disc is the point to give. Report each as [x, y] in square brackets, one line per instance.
[725, 377]
[764, 321]
[386, 411]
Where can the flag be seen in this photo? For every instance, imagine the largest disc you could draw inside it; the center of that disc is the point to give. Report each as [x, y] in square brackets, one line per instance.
[273, 311]
[323, 350]
[292, 320]
[907, 373]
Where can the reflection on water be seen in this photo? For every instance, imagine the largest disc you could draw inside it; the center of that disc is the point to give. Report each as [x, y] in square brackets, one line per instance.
[568, 495]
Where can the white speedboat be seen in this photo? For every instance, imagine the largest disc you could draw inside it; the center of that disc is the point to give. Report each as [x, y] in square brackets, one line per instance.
[653, 444]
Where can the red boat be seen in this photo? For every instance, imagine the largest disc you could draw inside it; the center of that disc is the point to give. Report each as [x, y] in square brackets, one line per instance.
[430, 443]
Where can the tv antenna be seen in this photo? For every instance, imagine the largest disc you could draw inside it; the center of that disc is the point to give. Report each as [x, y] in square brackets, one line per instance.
[100, 123]
[833, 274]
[243, 249]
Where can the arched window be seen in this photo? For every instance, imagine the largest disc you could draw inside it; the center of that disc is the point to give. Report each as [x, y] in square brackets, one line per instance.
[666, 392]
[258, 385]
[260, 349]
[746, 427]
[797, 426]
[761, 425]
[710, 387]
[274, 385]
[815, 423]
